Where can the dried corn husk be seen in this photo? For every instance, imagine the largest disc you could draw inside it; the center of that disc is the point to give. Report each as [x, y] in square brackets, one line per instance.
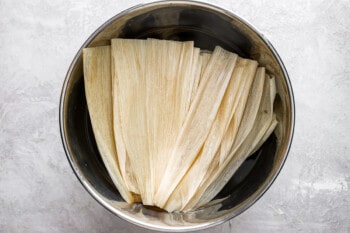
[261, 126]
[98, 91]
[196, 128]
[250, 111]
[165, 110]
[188, 186]
[179, 121]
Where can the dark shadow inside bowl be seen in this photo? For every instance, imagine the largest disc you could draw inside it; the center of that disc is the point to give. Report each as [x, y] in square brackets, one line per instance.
[204, 28]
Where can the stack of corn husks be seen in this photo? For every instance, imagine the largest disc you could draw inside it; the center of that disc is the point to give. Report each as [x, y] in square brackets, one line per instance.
[173, 123]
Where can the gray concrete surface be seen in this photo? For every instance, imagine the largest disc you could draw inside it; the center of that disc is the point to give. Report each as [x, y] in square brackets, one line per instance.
[38, 190]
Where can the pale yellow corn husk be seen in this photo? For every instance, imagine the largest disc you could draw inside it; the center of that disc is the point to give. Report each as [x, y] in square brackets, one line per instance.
[248, 117]
[155, 81]
[267, 134]
[196, 69]
[205, 55]
[251, 109]
[165, 110]
[98, 91]
[180, 121]
[196, 127]
[238, 132]
[188, 185]
[262, 124]
[128, 61]
[248, 77]
[274, 121]
[186, 78]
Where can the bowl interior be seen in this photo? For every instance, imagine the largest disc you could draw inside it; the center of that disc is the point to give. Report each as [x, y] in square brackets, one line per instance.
[207, 26]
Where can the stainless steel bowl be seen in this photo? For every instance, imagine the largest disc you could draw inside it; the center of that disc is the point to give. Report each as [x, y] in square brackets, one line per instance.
[208, 26]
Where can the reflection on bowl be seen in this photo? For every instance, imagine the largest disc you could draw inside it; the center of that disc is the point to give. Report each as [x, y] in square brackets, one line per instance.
[207, 26]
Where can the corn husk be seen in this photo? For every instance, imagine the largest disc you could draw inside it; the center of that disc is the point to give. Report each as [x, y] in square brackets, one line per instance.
[248, 77]
[98, 91]
[261, 125]
[196, 69]
[173, 123]
[196, 128]
[251, 108]
[129, 81]
[165, 110]
[274, 121]
[188, 186]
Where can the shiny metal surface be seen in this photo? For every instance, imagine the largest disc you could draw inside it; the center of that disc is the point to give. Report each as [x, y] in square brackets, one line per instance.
[208, 26]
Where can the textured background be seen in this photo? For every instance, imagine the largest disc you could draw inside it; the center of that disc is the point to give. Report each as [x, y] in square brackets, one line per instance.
[38, 190]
